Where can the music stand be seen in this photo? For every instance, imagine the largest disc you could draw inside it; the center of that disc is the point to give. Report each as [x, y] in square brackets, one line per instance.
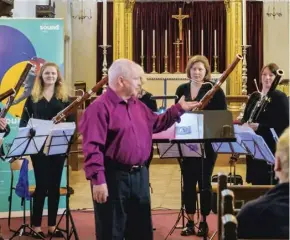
[59, 143]
[28, 141]
[196, 128]
[258, 149]
[235, 149]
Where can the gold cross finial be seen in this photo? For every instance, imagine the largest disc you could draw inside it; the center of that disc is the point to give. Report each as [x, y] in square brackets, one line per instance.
[180, 17]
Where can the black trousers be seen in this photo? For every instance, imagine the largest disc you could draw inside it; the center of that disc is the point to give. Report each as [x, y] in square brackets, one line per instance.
[127, 212]
[195, 170]
[47, 172]
[259, 172]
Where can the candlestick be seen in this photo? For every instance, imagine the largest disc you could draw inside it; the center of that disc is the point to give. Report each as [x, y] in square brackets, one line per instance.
[166, 64]
[105, 23]
[244, 70]
[105, 69]
[142, 43]
[189, 43]
[215, 49]
[153, 43]
[165, 42]
[142, 61]
[215, 71]
[244, 23]
[177, 43]
[153, 64]
[202, 42]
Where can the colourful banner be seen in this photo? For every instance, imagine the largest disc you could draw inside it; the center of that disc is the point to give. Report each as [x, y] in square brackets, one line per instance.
[22, 41]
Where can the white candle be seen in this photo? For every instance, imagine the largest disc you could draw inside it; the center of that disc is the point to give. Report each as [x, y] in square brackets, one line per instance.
[244, 23]
[202, 42]
[105, 22]
[215, 49]
[142, 43]
[165, 42]
[189, 42]
[153, 42]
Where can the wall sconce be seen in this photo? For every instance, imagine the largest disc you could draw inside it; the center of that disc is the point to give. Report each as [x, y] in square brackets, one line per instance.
[82, 13]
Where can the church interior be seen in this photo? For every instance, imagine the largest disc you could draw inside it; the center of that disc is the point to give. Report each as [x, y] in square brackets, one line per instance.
[161, 36]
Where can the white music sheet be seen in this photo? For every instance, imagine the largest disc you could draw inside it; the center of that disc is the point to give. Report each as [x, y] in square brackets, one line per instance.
[59, 138]
[230, 147]
[190, 127]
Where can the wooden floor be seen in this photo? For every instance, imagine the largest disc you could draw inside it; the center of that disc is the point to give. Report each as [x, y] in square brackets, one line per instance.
[164, 178]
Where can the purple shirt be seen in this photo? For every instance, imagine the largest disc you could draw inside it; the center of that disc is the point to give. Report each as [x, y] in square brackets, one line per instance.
[114, 130]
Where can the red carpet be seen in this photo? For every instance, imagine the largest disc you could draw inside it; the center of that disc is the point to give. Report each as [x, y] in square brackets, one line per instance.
[163, 221]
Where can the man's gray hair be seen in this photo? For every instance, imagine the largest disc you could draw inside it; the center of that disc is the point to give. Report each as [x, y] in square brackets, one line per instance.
[123, 67]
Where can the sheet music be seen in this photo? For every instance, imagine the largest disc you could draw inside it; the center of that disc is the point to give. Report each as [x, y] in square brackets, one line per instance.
[242, 129]
[275, 136]
[190, 127]
[263, 152]
[59, 138]
[21, 141]
[231, 147]
[168, 150]
[191, 150]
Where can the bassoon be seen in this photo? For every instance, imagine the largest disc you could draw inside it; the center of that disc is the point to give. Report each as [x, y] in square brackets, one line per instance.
[16, 89]
[62, 115]
[208, 96]
[261, 104]
[7, 94]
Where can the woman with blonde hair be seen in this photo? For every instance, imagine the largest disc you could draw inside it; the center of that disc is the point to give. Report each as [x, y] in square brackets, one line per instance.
[194, 169]
[49, 96]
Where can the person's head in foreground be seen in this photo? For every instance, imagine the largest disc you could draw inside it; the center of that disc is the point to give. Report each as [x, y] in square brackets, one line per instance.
[125, 78]
[282, 158]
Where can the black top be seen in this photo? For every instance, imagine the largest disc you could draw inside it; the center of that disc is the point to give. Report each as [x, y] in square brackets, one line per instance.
[218, 102]
[266, 217]
[43, 110]
[275, 115]
[150, 103]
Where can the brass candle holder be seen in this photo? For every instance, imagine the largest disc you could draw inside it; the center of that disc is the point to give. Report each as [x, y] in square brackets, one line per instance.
[142, 61]
[166, 64]
[244, 69]
[177, 43]
[105, 65]
[215, 65]
[153, 64]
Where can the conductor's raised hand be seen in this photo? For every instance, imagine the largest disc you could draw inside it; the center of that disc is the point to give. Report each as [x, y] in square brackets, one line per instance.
[100, 193]
[188, 106]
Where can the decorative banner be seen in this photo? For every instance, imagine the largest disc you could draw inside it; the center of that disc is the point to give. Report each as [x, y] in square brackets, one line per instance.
[21, 41]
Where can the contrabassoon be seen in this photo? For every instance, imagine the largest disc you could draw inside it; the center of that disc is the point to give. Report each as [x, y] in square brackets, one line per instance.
[62, 115]
[208, 96]
[16, 89]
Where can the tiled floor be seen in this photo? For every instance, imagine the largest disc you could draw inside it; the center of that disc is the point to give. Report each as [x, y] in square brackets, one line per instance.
[164, 178]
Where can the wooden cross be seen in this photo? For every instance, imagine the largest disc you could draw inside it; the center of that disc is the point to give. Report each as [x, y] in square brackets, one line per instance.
[180, 17]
